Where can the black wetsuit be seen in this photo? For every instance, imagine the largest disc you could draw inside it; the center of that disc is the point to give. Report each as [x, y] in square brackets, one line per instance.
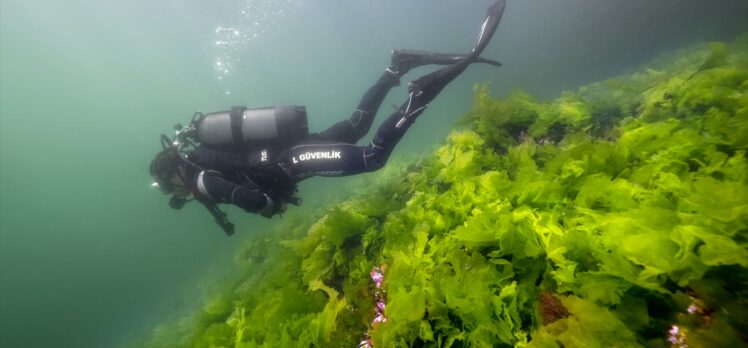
[253, 178]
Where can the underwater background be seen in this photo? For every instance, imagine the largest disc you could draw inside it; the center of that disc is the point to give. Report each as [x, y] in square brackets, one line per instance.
[91, 256]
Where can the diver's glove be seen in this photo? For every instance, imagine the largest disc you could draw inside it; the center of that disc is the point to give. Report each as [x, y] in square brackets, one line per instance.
[274, 206]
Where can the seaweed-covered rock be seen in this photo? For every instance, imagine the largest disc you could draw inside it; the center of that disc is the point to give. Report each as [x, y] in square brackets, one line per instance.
[613, 216]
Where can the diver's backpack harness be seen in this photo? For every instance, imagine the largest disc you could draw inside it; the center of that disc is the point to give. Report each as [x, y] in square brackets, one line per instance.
[238, 128]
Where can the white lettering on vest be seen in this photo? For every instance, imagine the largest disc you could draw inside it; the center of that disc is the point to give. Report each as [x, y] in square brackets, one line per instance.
[317, 155]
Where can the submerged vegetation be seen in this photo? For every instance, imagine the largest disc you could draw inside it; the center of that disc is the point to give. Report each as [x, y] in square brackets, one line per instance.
[615, 216]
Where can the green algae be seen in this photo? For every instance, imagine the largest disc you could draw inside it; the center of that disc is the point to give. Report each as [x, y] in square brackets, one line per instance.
[599, 219]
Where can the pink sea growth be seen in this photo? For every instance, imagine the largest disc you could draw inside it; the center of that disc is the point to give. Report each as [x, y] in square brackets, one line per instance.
[677, 337]
[377, 276]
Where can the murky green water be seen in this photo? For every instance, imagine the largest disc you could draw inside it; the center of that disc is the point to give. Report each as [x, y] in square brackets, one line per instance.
[90, 256]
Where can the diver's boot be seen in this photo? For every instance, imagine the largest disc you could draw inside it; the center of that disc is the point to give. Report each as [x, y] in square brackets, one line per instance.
[405, 60]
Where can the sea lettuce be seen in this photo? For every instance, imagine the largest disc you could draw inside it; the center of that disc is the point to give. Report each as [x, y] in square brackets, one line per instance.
[613, 216]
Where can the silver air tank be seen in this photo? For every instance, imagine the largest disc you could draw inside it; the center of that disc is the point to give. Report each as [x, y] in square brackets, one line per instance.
[278, 124]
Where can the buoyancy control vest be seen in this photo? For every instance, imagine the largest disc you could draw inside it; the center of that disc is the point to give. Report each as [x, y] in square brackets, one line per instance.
[238, 140]
[277, 125]
[245, 144]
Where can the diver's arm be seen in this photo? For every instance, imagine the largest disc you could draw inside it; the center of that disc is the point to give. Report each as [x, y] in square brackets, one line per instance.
[213, 186]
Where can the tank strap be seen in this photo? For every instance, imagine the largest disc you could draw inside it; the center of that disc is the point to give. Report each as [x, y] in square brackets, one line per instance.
[237, 114]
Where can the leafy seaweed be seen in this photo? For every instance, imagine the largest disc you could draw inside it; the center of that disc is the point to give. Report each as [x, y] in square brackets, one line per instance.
[607, 217]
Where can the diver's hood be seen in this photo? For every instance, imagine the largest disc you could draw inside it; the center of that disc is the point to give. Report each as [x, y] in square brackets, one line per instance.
[163, 167]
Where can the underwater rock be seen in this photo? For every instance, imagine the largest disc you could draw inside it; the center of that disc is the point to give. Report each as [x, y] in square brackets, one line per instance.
[551, 308]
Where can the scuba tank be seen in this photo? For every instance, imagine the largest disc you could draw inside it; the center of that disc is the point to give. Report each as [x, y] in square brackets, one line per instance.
[272, 125]
[238, 139]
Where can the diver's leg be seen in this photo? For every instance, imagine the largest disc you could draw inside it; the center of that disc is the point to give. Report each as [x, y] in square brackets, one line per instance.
[316, 158]
[391, 131]
[347, 159]
[352, 129]
[358, 124]
[342, 159]
[422, 91]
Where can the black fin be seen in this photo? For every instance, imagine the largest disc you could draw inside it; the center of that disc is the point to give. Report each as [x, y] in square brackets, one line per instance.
[428, 86]
[488, 28]
[403, 60]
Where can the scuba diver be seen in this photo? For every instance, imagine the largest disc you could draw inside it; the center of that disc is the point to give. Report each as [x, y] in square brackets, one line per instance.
[254, 157]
